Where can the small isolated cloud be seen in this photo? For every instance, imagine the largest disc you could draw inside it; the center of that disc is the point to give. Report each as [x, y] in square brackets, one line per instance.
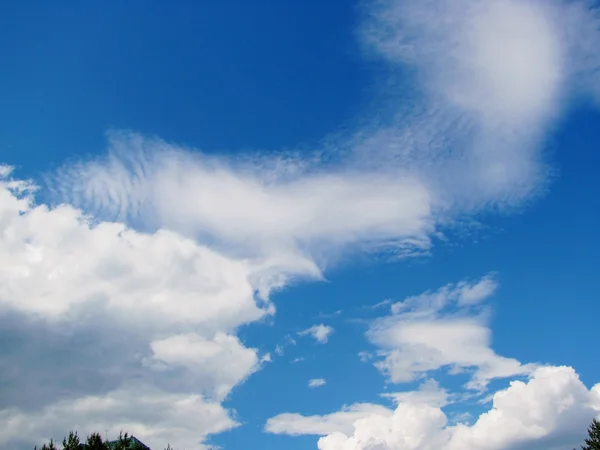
[319, 332]
[365, 356]
[464, 293]
[287, 341]
[316, 382]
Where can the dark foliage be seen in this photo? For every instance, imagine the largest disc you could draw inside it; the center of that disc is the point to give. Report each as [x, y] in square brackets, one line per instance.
[72, 442]
[50, 446]
[95, 442]
[593, 440]
[124, 442]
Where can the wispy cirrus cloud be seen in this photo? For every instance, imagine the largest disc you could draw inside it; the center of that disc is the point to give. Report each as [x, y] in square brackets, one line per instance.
[479, 85]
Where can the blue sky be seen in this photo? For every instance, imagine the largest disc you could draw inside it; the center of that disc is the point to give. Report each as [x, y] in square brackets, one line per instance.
[206, 205]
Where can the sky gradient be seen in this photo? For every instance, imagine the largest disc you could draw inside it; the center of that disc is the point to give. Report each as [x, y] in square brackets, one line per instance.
[300, 225]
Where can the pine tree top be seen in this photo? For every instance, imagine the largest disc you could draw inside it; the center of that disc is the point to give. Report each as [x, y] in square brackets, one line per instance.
[593, 441]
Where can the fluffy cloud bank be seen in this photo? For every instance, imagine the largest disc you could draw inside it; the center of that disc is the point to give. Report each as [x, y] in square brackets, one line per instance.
[549, 411]
[158, 308]
[157, 416]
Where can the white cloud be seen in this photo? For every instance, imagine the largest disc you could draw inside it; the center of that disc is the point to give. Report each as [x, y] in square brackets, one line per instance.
[486, 81]
[54, 260]
[220, 363]
[492, 78]
[174, 302]
[342, 421]
[319, 333]
[155, 416]
[475, 293]
[553, 403]
[464, 294]
[287, 341]
[551, 409]
[442, 329]
[316, 382]
[429, 393]
[254, 207]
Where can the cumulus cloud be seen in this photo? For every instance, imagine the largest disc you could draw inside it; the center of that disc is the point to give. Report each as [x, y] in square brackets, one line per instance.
[429, 393]
[316, 382]
[220, 363]
[446, 328]
[124, 305]
[319, 333]
[55, 260]
[341, 421]
[550, 410]
[156, 416]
